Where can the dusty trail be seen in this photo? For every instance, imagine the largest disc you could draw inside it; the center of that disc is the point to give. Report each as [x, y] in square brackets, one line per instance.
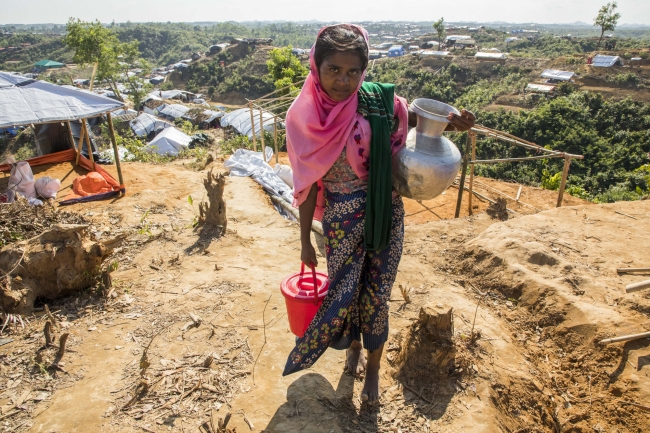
[546, 284]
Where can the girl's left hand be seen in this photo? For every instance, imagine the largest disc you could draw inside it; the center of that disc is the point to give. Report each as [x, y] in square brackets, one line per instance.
[461, 123]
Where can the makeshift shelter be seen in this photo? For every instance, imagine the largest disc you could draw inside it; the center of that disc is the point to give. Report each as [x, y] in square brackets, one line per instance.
[602, 61]
[173, 111]
[396, 51]
[48, 64]
[539, 88]
[176, 94]
[9, 79]
[556, 75]
[169, 142]
[428, 53]
[206, 119]
[491, 56]
[148, 125]
[37, 102]
[240, 121]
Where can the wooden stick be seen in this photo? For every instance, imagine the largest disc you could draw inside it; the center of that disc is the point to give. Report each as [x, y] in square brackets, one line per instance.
[275, 138]
[637, 286]
[62, 340]
[92, 77]
[624, 214]
[630, 270]
[81, 141]
[90, 149]
[565, 173]
[262, 135]
[250, 107]
[527, 158]
[70, 136]
[459, 201]
[316, 226]
[625, 338]
[471, 174]
[518, 193]
[115, 152]
[640, 406]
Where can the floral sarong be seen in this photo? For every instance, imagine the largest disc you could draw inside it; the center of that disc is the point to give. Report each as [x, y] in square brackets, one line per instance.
[356, 305]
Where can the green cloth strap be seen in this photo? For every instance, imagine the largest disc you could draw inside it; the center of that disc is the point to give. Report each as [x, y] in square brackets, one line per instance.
[376, 102]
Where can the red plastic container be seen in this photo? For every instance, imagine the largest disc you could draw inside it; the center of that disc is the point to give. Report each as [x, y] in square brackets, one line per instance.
[301, 298]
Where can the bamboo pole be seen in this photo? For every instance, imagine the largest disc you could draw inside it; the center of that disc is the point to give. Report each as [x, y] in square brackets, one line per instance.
[262, 136]
[471, 173]
[462, 176]
[275, 138]
[92, 77]
[637, 286]
[250, 107]
[90, 149]
[117, 155]
[565, 173]
[81, 140]
[316, 225]
[631, 270]
[526, 158]
[625, 338]
[70, 136]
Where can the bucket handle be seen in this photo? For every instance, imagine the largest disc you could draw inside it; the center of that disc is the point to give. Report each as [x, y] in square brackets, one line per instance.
[313, 274]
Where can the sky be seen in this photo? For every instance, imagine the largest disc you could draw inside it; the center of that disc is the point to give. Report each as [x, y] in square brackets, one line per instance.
[514, 11]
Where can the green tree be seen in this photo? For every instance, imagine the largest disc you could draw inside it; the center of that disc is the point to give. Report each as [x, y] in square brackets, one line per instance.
[439, 27]
[607, 19]
[285, 69]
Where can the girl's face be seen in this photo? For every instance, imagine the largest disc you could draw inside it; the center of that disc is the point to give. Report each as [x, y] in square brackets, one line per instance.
[340, 74]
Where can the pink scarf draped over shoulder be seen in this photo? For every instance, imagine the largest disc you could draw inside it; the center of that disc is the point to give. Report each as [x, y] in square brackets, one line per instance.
[318, 128]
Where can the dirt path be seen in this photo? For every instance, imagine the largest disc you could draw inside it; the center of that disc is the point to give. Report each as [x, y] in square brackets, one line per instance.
[545, 282]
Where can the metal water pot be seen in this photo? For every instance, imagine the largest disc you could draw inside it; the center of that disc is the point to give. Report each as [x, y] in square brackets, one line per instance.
[429, 162]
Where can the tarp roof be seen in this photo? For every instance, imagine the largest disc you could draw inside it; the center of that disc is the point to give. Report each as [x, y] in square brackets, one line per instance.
[427, 53]
[49, 64]
[41, 102]
[211, 115]
[169, 142]
[240, 120]
[555, 74]
[539, 88]
[606, 61]
[491, 56]
[8, 79]
[173, 111]
[145, 123]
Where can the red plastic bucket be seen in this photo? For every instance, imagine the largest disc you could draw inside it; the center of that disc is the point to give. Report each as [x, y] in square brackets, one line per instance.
[301, 298]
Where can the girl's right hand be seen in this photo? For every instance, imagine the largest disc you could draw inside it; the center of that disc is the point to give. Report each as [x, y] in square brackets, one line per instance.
[308, 254]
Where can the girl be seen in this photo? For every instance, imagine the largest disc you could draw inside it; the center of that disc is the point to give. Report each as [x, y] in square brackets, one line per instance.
[341, 135]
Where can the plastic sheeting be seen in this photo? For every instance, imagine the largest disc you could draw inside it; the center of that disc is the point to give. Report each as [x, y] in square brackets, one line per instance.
[606, 61]
[173, 111]
[146, 123]
[8, 79]
[41, 102]
[555, 74]
[240, 120]
[169, 142]
[248, 163]
[490, 56]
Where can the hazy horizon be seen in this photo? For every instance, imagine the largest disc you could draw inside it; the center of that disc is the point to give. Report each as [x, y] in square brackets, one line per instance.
[33, 12]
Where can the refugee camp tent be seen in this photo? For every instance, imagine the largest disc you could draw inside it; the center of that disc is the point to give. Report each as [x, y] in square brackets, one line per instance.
[146, 125]
[156, 80]
[396, 51]
[491, 56]
[240, 121]
[48, 64]
[539, 88]
[170, 141]
[36, 103]
[602, 61]
[9, 79]
[206, 119]
[173, 111]
[557, 75]
[429, 53]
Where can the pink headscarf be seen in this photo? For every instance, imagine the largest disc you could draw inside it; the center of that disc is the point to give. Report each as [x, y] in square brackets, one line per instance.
[318, 128]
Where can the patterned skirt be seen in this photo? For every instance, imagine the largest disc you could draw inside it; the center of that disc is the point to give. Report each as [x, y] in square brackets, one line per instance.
[356, 305]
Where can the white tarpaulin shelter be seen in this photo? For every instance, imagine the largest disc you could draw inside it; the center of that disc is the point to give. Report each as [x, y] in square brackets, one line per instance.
[240, 120]
[146, 123]
[539, 88]
[169, 142]
[428, 53]
[490, 56]
[606, 61]
[555, 74]
[173, 111]
[10, 80]
[40, 102]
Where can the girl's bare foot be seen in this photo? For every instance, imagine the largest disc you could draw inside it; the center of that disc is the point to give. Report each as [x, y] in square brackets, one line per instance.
[356, 359]
[370, 392]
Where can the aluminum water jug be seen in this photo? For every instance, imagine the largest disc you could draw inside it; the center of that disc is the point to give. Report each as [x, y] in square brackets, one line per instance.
[429, 162]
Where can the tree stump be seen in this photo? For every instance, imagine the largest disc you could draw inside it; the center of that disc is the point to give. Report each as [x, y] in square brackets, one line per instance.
[213, 213]
[427, 348]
